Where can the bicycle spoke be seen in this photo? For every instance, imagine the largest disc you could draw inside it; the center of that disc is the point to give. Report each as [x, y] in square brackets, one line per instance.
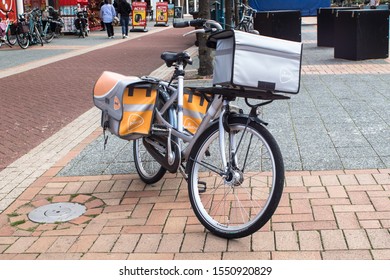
[244, 197]
[209, 167]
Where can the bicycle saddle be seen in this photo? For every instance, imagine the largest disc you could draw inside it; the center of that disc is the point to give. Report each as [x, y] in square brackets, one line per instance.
[172, 57]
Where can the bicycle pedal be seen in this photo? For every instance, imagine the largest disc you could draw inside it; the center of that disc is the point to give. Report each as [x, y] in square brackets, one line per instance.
[160, 130]
[202, 187]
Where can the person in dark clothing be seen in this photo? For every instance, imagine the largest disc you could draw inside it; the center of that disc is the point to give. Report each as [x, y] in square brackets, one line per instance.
[124, 10]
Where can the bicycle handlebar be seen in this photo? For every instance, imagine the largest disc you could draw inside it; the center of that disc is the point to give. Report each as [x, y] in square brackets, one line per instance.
[207, 24]
[193, 23]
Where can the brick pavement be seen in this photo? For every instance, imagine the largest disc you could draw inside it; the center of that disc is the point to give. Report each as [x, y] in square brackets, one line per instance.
[322, 215]
[327, 214]
[41, 101]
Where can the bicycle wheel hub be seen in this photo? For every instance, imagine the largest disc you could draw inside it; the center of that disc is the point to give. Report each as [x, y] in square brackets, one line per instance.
[234, 178]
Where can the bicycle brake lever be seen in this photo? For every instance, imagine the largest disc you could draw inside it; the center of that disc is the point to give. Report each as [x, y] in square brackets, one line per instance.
[194, 31]
[208, 30]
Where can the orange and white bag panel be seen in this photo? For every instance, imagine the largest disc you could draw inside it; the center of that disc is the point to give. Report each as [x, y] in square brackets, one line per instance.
[127, 104]
[194, 109]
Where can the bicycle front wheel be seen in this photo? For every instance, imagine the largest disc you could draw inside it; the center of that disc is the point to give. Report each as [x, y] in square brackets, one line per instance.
[11, 38]
[38, 36]
[240, 200]
[23, 40]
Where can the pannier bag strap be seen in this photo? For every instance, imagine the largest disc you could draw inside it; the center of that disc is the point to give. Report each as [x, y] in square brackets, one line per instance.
[105, 124]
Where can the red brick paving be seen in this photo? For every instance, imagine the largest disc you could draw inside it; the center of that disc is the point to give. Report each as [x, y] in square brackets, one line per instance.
[318, 218]
[39, 102]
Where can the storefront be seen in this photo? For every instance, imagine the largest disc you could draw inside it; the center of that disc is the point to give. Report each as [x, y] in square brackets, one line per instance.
[68, 11]
[187, 6]
[8, 5]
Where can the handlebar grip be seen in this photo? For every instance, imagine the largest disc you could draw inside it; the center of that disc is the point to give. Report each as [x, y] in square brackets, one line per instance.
[181, 24]
[197, 22]
[193, 23]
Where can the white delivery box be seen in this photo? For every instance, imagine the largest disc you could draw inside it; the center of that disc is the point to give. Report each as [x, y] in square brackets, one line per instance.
[253, 61]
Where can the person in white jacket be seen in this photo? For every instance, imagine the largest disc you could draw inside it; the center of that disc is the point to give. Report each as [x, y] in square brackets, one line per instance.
[107, 15]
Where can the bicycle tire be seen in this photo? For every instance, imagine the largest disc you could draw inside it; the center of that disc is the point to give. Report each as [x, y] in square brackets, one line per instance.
[229, 207]
[49, 35]
[242, 27]
[58, 31]
[38, 36]
[23, 40]
[148, 169]
[11, 38]
[82, 31]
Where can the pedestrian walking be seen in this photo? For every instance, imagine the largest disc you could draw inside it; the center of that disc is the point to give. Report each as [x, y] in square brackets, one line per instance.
[101, 21]
[124, 9]
[107, 14]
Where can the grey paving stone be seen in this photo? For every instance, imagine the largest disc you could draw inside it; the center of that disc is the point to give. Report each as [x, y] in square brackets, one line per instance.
[334, 122]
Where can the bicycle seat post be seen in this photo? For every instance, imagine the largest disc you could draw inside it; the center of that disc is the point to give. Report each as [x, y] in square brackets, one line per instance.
[180, 99]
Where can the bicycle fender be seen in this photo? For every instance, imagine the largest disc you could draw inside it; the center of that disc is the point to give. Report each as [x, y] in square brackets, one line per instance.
[252, 118]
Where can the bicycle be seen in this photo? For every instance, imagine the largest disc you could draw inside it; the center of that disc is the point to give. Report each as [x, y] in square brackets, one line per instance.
[246, 23]
[9, 37]
[28, 33]
[56, 21]
[232, 164]
[44, 25]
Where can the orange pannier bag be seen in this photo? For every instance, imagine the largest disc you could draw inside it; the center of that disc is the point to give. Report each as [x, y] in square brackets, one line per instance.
[127, 104]
[194, 108]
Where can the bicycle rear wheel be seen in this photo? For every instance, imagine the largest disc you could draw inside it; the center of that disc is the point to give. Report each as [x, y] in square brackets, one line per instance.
[241, 200]
[242, 27]
[49, 34]
[149, 170]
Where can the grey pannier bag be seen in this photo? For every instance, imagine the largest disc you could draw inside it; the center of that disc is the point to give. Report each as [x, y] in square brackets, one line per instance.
[252, 61]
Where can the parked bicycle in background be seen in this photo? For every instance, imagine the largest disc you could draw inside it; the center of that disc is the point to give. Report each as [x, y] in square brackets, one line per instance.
[45, 27]
[56, 21]
[246, 23]
[28, 31]
[7, 30]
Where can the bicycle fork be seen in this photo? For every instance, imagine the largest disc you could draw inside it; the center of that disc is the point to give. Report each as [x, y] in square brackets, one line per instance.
[223, 127]
[232, 172]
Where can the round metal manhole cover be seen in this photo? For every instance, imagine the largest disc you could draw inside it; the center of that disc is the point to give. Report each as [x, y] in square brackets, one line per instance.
[57, 212]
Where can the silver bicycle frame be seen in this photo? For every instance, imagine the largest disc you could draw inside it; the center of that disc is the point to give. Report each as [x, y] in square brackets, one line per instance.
[211, 114]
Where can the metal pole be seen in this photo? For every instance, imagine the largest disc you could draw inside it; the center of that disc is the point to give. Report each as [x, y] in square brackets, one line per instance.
[20, 8]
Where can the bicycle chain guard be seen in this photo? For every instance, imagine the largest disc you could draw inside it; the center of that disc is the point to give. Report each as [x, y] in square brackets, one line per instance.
[160, 158]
